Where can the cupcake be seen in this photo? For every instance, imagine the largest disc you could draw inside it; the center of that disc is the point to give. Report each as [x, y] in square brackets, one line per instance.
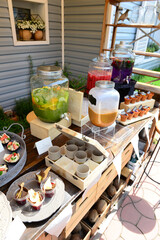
[127, 100]
[149, 95]
[138, 97]
[4, 138]
[35, 199]
[133, 98]
[13, 146]
[48, 187]
[21, 195]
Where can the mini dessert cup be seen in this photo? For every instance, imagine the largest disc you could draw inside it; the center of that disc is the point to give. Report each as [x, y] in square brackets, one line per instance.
[54, 153]
[146, 109]
[21, 200]
[82, 171]
[36, 205]
[149, 95]
[138, 97]
[50, 191]
[130, 115]
[144, 96]
[133, 98]
[124, 117]
[141, 112]
[97, 156]
[80, 156]
[135, 113]
[71, 150]
[127, 100]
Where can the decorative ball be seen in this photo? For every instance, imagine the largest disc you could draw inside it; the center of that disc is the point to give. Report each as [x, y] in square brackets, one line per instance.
[93, 215]
[101, 205]
[78, 228]
[111, 190]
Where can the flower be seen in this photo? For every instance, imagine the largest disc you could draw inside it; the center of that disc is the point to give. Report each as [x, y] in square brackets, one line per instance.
[32, 25]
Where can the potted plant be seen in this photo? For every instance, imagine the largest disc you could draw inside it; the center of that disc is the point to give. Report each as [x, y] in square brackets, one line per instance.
[25, 31]
[38, 32]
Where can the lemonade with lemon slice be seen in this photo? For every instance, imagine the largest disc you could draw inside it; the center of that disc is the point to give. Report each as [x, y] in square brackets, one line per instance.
[50, 103]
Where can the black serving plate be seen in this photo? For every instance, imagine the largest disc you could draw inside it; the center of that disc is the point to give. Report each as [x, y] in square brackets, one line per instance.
[13, 168]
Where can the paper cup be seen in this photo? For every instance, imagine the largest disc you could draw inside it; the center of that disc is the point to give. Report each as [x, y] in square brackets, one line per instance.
[82, 171]
[80, 156]
[71, 150]
[80, 145]
[54, 153]
[69, 142]
[97, 156]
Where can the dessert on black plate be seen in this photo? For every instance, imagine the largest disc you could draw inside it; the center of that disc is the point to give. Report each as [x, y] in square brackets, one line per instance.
[3, 169]
[4, 138]
[13, 146]
[11, 158]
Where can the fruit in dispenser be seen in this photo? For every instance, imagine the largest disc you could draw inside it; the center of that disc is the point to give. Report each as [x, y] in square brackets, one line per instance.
[94, 76]
[50, 103]
[122, 70]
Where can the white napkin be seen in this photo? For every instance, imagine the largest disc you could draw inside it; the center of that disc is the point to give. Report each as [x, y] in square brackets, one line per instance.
[1, 147]
[15, 230]
[156, 115]
[117, 161]
[134, 142]
[58, 224]
[95, 180]
[147, 131]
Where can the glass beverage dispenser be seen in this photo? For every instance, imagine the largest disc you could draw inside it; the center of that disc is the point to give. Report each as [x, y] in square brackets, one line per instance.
[99, 69]
[103, 104]
[123, 61]
[49, 93]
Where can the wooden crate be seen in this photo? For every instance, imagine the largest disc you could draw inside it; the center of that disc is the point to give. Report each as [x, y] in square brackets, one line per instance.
[126, 173]
[111, 172]
[100, 219]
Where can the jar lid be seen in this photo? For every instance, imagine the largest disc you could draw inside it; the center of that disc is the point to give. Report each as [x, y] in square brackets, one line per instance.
[123, 44]
[49, 70]
[104, 84]
[102, 62]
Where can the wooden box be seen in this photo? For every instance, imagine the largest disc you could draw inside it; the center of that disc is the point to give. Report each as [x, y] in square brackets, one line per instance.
[42, 130]
[149, 103]
[101, 216]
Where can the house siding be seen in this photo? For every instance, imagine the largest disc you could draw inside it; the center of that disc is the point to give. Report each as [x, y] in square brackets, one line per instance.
[14, 64]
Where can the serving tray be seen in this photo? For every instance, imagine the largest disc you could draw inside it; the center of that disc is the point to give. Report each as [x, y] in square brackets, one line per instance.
[133, 120]
[13, 168]
[50, 205]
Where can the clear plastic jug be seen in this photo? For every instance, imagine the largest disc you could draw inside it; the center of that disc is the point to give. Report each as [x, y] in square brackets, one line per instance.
[103, 104]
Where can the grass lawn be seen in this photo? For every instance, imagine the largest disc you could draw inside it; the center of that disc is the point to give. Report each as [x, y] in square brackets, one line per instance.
[145, 79]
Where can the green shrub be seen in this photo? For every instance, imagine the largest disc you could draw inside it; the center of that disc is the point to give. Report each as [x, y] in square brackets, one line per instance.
[23, 107]
[152, 47]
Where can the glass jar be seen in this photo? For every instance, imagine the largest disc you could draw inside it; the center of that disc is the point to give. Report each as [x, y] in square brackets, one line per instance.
[123, 61]
[99, 69]
[49, 93]
[103, 104]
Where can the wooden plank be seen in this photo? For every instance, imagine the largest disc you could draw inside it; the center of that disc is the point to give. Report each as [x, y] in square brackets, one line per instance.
[82, 34]
[106, 18]
[70, 3]
[133, 25]
[148, 87]
[146, 72]
[83, 26]
[83, 18]
[81, 10]
[148, 54]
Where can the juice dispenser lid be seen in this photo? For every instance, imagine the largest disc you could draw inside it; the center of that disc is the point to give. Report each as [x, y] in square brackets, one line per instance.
[124, 44]
[102, 62]
[49, 70]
